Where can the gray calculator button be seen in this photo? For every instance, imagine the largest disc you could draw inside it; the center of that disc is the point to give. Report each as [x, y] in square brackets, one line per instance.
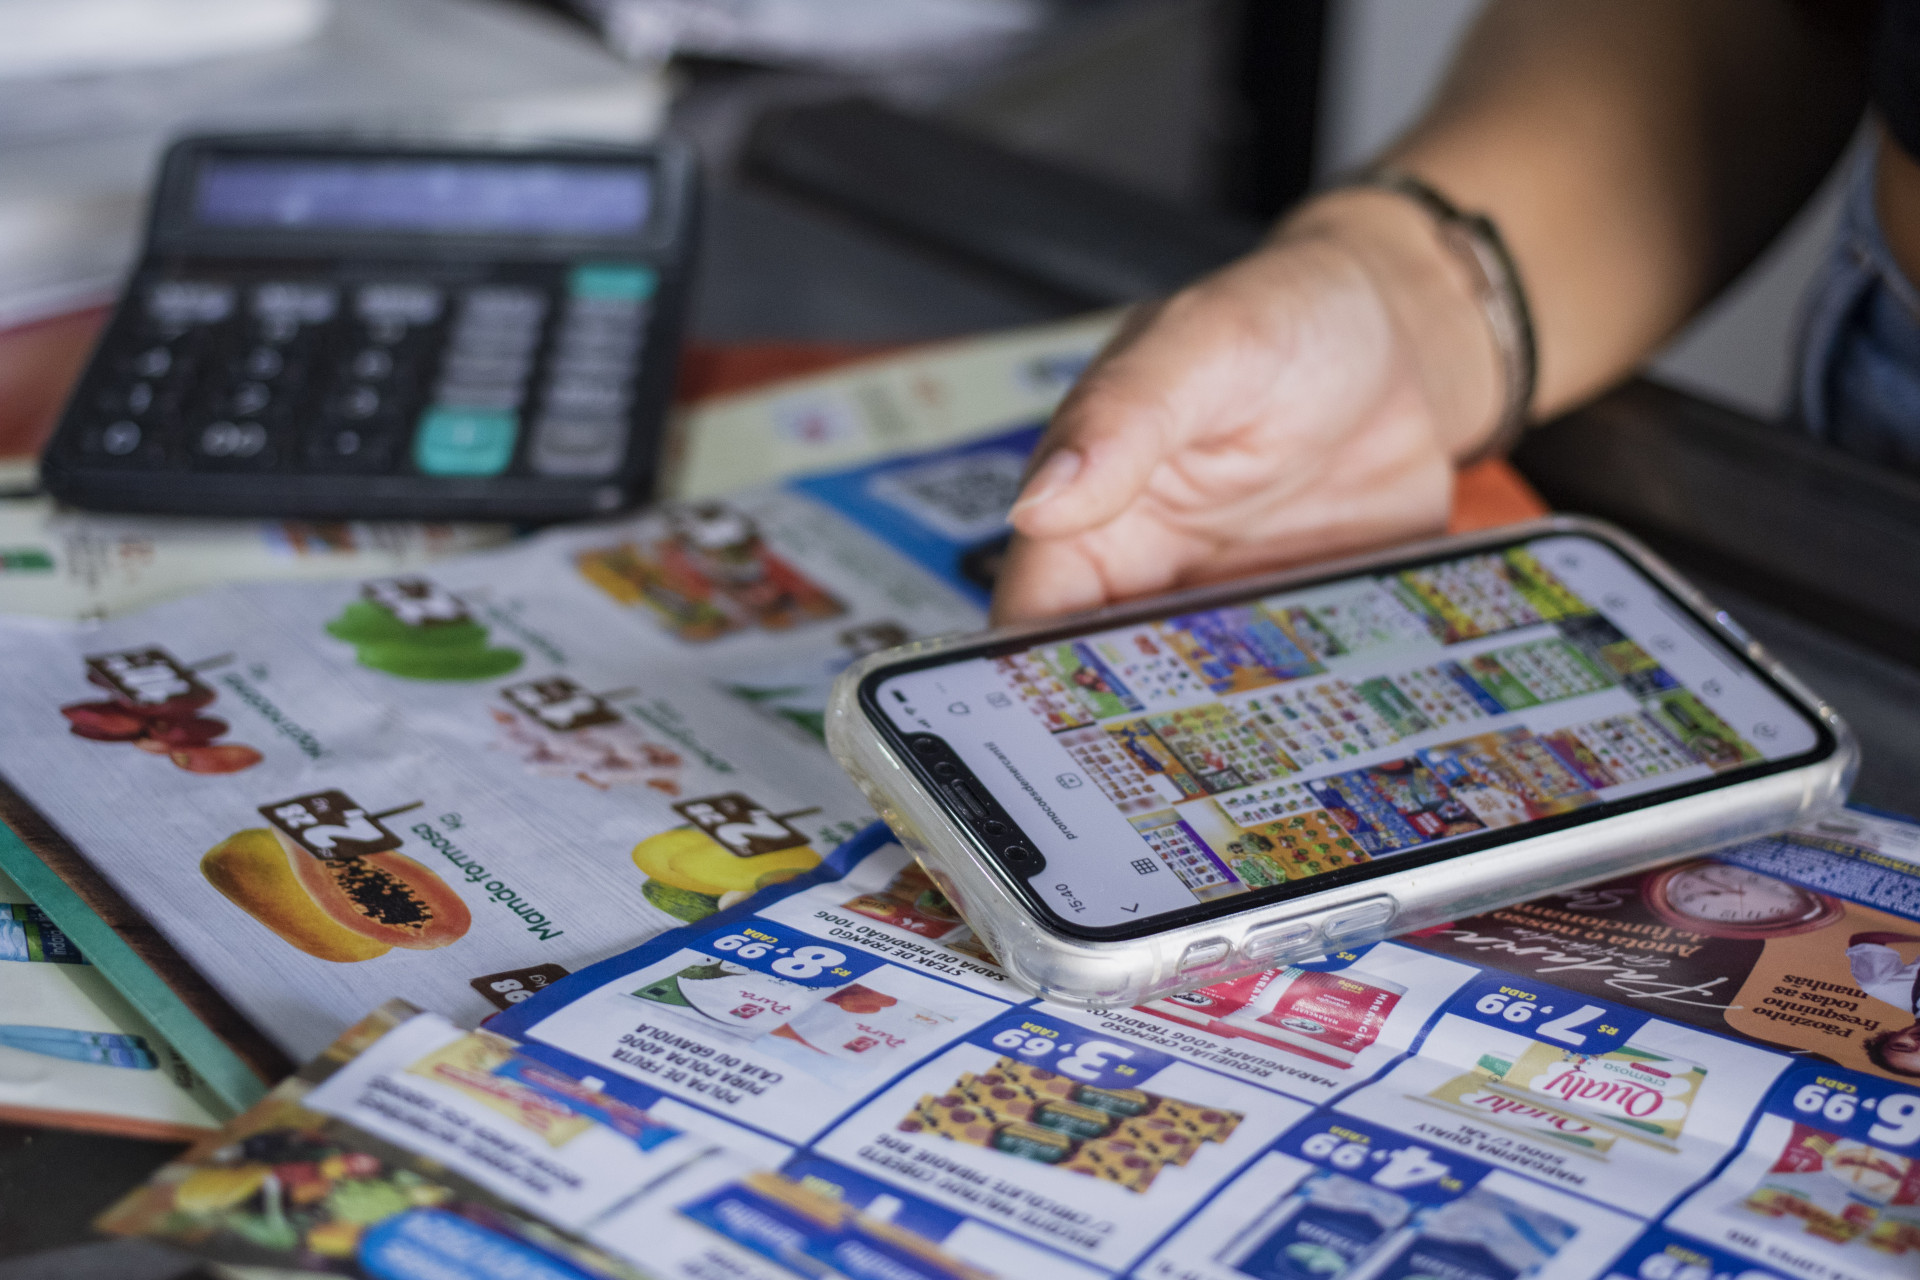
[609, 369]
[140, 397]
[578, 446]
[472, 366]
[281, 304]
[233, 440]
[499, 304]
[619, 309]
[120, 439]
[469, 395]
[492, 346]
[179, 302]
[607, 329]
[594, 399]
[398, 304]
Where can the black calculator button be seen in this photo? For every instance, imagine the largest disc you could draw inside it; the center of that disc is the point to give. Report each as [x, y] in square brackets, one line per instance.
[122, 442]
[130, 398]
[249, 399]
[118, 439]
[372, 364]
[358, 403]
[233, 442]
[154, 362]
[352, 449]
[263, 361]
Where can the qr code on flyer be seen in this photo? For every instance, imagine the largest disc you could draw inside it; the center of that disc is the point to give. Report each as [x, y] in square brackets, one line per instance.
[963, 498]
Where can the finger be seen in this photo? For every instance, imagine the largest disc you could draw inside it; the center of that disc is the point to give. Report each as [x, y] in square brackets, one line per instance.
[1043, 579]
[1139, 402]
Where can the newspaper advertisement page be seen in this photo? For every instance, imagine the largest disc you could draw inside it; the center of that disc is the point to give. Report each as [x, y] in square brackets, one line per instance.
[466, 782]
[72, 1051]
[833, 1079]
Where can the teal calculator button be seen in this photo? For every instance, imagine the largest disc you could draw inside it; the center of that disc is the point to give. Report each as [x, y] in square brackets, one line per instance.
[465, 442]
[613, 281]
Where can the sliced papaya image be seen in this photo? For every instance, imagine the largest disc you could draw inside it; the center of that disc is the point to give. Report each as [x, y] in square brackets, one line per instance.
[688, 858]
[251, 869]
[384, 897]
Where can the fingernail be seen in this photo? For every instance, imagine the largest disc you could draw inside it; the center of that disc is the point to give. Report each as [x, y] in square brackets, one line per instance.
[1055, 474]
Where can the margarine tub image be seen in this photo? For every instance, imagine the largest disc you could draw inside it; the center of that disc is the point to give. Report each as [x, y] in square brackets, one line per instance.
[848, 1033]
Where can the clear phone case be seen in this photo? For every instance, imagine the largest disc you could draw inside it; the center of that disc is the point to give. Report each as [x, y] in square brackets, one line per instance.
[1090, 974]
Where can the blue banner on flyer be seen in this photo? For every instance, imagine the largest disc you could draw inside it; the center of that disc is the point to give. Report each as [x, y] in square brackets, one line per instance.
[946, 509]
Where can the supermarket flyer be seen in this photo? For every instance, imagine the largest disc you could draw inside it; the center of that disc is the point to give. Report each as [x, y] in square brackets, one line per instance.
[834, 1080]
[73, 1052]
[465, 782]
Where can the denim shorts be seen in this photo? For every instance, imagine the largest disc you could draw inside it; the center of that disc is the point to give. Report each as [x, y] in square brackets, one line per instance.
[1859, 375]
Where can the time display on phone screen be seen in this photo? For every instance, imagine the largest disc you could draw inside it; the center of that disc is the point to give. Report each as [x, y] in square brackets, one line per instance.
[1200, 756]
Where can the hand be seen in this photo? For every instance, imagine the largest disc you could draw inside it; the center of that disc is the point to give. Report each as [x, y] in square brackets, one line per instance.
[1307, 400]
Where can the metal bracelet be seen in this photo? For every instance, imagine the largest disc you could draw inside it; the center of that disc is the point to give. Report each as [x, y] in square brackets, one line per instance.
[1477, 242]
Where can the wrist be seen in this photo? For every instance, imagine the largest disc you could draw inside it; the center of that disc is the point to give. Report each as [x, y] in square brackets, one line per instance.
[1433, 302]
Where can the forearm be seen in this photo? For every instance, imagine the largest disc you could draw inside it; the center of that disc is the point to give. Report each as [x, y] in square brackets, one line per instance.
[1636, 154]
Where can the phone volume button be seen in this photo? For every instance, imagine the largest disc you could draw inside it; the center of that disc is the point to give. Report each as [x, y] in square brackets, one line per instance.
[1270, 941]
[1360, 919]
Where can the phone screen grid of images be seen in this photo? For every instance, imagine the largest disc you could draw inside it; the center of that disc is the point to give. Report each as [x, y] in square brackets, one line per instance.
[1254, 744]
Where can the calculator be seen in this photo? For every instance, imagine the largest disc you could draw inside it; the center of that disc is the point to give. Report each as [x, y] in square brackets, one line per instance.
[336, 328]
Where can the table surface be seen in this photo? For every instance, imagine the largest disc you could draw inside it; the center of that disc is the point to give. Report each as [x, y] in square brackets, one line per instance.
[783, 291]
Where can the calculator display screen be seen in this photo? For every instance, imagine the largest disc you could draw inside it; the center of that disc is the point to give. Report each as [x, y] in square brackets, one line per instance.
[1332, 731]
[481, 197]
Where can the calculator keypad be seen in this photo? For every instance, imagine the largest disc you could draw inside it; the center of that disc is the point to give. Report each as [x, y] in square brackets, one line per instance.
[435, 378]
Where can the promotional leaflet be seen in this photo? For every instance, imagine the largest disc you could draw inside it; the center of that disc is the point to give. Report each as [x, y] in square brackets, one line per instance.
[466, 782]
[73, 1052]
[835, 1080]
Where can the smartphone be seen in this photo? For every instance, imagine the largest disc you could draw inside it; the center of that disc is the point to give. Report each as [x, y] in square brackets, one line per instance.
[1156, 797]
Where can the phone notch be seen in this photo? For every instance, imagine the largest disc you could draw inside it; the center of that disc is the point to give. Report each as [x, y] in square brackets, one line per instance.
[973, 806]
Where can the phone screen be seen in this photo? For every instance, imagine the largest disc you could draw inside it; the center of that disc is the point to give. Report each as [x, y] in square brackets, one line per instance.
[1204, 762]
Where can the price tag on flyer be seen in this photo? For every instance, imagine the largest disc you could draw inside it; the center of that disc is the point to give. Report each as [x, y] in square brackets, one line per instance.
[147, 677]
[788, 954]
[329, 824]
[1389, 1160]
[1851, 1104]
[1548, 1014]
[1032, 1037]
[743, 828]
[1663, 1255]
[560, 704]
[416, 602]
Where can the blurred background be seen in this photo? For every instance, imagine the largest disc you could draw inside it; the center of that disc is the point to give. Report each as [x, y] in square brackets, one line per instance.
[1222, 109]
